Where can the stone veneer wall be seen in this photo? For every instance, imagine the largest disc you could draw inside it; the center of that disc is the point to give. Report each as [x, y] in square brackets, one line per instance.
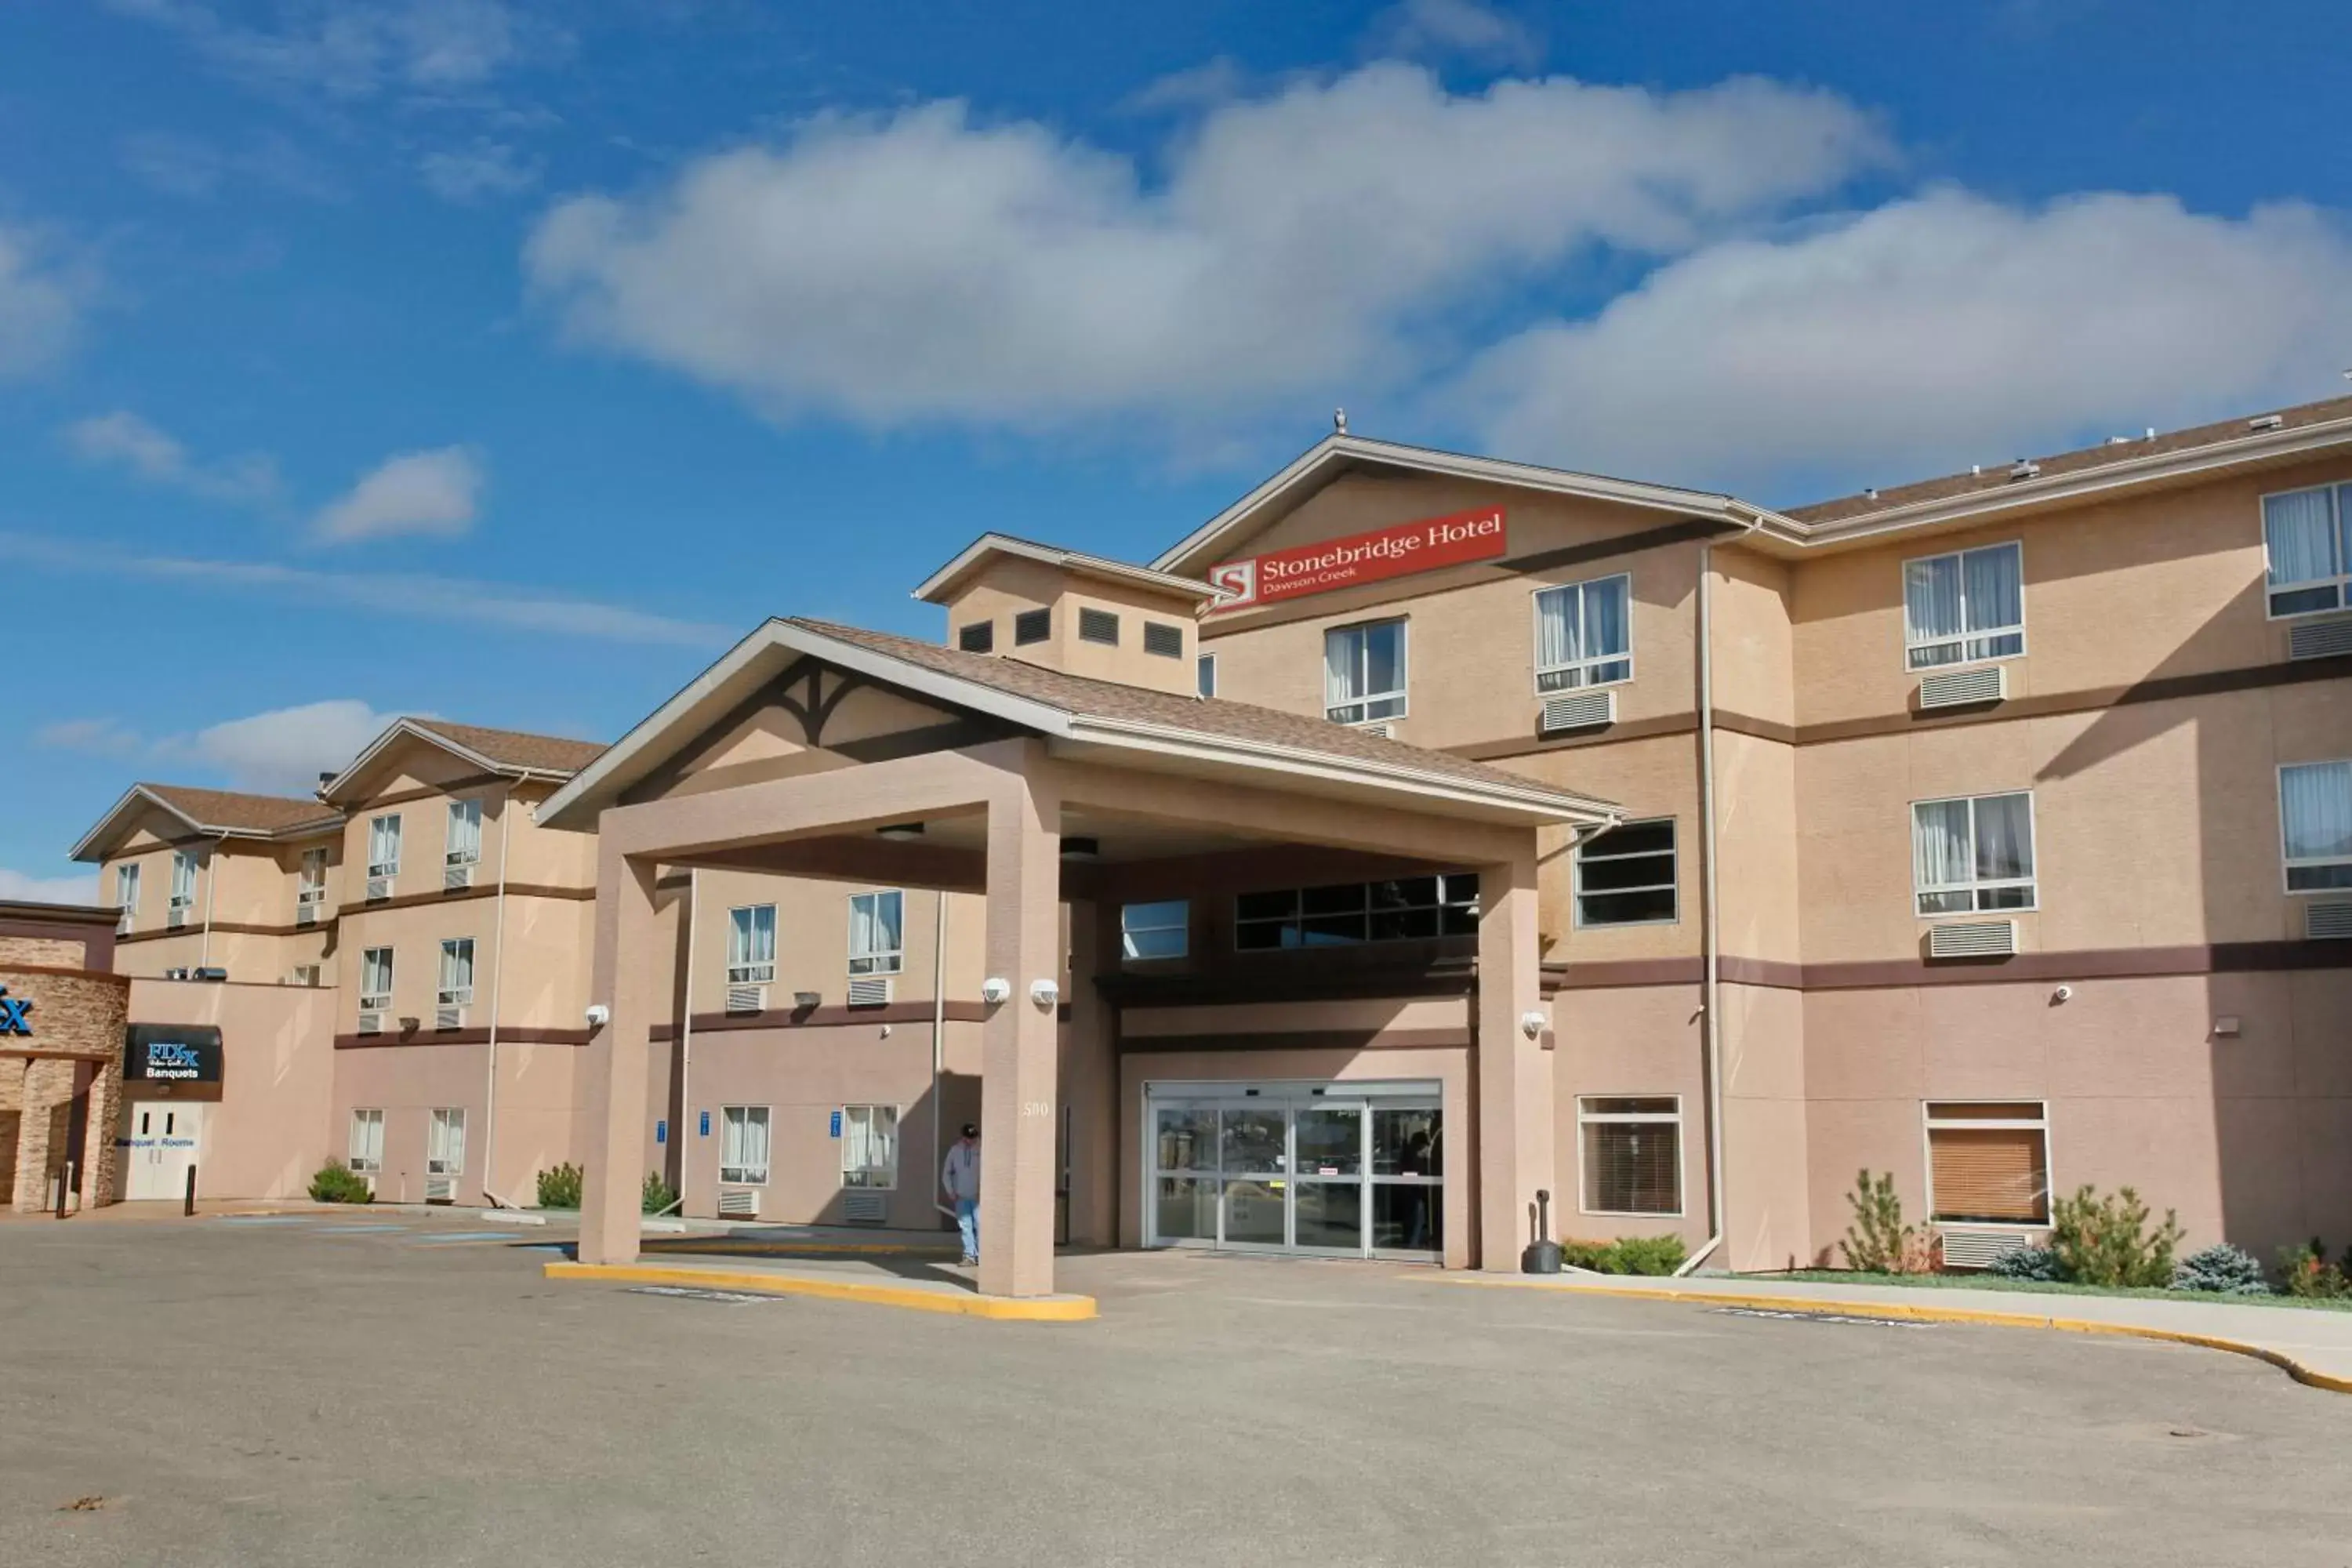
[77, 1019]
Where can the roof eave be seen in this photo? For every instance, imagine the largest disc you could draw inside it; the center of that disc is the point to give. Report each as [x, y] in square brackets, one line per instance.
[936, 588]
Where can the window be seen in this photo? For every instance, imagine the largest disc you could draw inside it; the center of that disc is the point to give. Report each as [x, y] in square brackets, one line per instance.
[457, 972]
[464, 834]
[1349, 912]
[306, 975]
[1584, 634]
[1989, 1163]
[367, 1141]
[126, 890]
[2315, 825]
[1097, 626]
[1204, 675]
[752, 945]
[2305, 542]
[743, 1145]
[310, 883]
[875, 920]
[869, 1146]
[1363, 672]
[1031, 626]
[1163, 638]
[375, 979]
[183, 878]
[1154, 931]
[445, 1142]
[1973, 855]
[1966, 606]
[978, 637]
[1627, 876]
[1631, 1153]
[384, 847]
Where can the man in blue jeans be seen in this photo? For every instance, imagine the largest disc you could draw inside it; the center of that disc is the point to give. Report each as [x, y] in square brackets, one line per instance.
[960, 1177]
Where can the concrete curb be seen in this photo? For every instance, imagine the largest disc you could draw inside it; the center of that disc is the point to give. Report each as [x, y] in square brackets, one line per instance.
[1001, 1308]
[719, 1246]
[1815, 1306]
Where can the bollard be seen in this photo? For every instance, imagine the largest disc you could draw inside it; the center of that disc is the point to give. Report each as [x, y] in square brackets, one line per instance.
[188, 1203]
[64, 1188]
[1542, 1256]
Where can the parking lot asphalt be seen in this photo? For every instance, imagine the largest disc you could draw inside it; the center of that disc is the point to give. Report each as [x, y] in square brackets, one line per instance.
[208, 1392]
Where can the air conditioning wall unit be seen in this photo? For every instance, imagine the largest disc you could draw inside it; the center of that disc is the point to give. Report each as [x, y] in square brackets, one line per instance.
[1982, 1246]
[177, 918]
[1579, 710]
[747, 998]
[306, 914]
[864, 1205]
[870, 991]
[449, 1017]
[124, 922]
[379, 887]
[371, 1023]
[1385, 728]
[454, 877]
[2327, 918]
[1972, 939]
[1965, 688]
[2320, 639]
[738, 1203]
[440, 1189]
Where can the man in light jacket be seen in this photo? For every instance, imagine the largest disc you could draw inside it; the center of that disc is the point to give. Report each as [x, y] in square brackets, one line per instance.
[960, 1177]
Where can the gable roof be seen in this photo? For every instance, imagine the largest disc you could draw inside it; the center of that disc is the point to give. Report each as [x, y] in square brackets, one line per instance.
[227, 813]
[936, 587]
[511, 752]
[1070, 709]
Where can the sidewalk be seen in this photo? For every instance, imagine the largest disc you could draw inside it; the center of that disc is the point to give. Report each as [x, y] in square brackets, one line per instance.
[879, 1277]
[2310, 1345]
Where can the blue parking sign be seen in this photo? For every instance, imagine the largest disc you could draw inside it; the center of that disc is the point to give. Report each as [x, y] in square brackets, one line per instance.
[706, 1124]
[836, 1124]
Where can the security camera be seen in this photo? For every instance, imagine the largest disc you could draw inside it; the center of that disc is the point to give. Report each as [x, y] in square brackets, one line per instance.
[993, 989]
[1532, 1024]
[599, 1014]
[1044, 993]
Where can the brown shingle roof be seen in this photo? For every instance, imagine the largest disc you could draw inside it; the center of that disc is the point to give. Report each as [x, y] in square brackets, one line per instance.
[1208, 716]
[219, 808]
[515, 749]
[1996, 476]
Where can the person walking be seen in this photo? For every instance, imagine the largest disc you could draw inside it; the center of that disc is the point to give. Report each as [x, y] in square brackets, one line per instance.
[960, 1177]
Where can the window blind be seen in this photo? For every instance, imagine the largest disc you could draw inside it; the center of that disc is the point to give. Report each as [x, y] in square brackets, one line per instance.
[1990, 1174]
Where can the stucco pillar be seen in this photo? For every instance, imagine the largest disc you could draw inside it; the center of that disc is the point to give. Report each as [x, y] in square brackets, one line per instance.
[1018, 1116]
[99, 1154]
[1514, 1078]
[627, 981]
[1090, 1075]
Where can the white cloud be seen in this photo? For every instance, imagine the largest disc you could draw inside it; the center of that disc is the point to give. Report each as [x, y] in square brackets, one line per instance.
[434, 492]
[473, 174]
[40, 307]
[1925, 335]
[353, 49]
[80, 890]
[123, 439]
[928, 267]
[195, 170]
[412, 596]
[96, 737]
[1463, 28]
[283, 752]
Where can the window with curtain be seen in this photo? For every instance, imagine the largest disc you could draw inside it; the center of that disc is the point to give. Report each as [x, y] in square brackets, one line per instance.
[367, 1141]
[752, 944]
[1964, 607]
[1584, 634]
[1974, 854]
[875, 920]
[1154, 931]
[310, 885]
[457, 972]
[743, 1145]
[126, 888]
[375, 979]
[2315, 825]
[384, 847]
[1989, 1163]
[183, 878]
[869, 1146]
[1632, 1153]
[1204, 675]
[464, 847]
[2305, 549]
[1627, 876]
[445, 1142]
[1363, 672]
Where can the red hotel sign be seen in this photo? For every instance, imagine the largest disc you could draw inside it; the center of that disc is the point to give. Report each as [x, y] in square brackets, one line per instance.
[1317, 568]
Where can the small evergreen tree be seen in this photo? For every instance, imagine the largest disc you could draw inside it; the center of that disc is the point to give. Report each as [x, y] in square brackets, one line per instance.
[2106, 1241]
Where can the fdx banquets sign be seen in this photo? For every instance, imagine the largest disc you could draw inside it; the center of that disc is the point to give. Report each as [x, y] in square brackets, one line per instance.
[1319, 568]
[12, 1014]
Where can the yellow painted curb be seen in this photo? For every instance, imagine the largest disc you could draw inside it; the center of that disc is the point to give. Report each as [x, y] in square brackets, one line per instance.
[1814, 1306]
[722, 1246]
[1033, 1309]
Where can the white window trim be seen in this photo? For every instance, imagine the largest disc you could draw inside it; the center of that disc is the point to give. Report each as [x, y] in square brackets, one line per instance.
[896, 956]
[195, 863]
[358, 1164]
[2287, 865]
[452, 857]
[898, 1121]
[384, 867]
[1535, 627]
[376, 1001]
[126, 888]
[2342, 582]
[2040, 1119]
[440, 1116]
[461, 995]
[2024, 642]
[768, 1114]
[761, 973]
[1681, 1153]
[2033, 836]
[1402, 694]
[307, 891]
[1576, 880]
[1207, 661]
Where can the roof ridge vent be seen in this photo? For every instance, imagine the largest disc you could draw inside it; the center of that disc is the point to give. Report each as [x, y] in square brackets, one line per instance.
[2024, 469]
[2266, 422]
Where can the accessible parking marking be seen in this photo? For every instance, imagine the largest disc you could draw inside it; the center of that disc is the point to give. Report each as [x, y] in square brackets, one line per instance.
[444, 1239]
[1818, 1317]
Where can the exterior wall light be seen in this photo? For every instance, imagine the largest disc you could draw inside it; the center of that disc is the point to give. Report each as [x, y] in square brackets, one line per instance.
[1532, 1024]
[1044, 993]
[599, 1014]
[993, 990]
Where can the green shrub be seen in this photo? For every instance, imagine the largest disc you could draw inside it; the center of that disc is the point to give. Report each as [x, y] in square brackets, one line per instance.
[337, 1184]
[559, 1187]
[2038, 1263]
[2106, 1241]
[1878, 1242]
[1627, 1254]
[2306, 1273]
[657, 1196]
[2222, 1269]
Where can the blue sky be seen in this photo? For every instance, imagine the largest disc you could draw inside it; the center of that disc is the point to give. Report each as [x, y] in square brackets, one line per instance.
[503, 359]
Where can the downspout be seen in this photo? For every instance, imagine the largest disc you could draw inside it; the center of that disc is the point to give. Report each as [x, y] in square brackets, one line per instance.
[497, 976]
[212, 887]
[938, 1035]
[686, 1031]
[1710, 937]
